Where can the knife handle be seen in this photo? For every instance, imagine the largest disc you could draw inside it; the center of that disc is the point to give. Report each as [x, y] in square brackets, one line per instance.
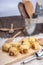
[27, 61]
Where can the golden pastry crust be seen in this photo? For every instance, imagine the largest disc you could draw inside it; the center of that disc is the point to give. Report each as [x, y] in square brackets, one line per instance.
[13, 51]
[6, 47]
[25, 39]
[16, 44]
[32, 39]
[23, 49]
[35, 45]
[27, 43]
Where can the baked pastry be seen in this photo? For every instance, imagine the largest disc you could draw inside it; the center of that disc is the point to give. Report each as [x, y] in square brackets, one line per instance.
[32, 39]
[16, 44]
[23, 49]
[27, 43]
[6, 47]
[25, 39]
[13, 51]
[35, 45]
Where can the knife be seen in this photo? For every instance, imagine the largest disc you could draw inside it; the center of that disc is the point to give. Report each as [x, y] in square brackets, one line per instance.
[38, 55]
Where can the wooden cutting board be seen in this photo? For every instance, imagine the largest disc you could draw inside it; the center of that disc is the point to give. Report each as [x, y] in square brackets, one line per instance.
[5, 59]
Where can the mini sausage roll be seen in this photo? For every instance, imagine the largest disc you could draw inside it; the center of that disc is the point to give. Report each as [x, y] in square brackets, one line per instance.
[25, 39]
[13, 51]
[32, 39]
[6, 47]
[23, 49]
[16, 44]
[35, 45]
[27, 43]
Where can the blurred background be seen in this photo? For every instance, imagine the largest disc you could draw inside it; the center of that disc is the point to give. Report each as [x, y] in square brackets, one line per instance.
[10, 7]
[9, 14]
